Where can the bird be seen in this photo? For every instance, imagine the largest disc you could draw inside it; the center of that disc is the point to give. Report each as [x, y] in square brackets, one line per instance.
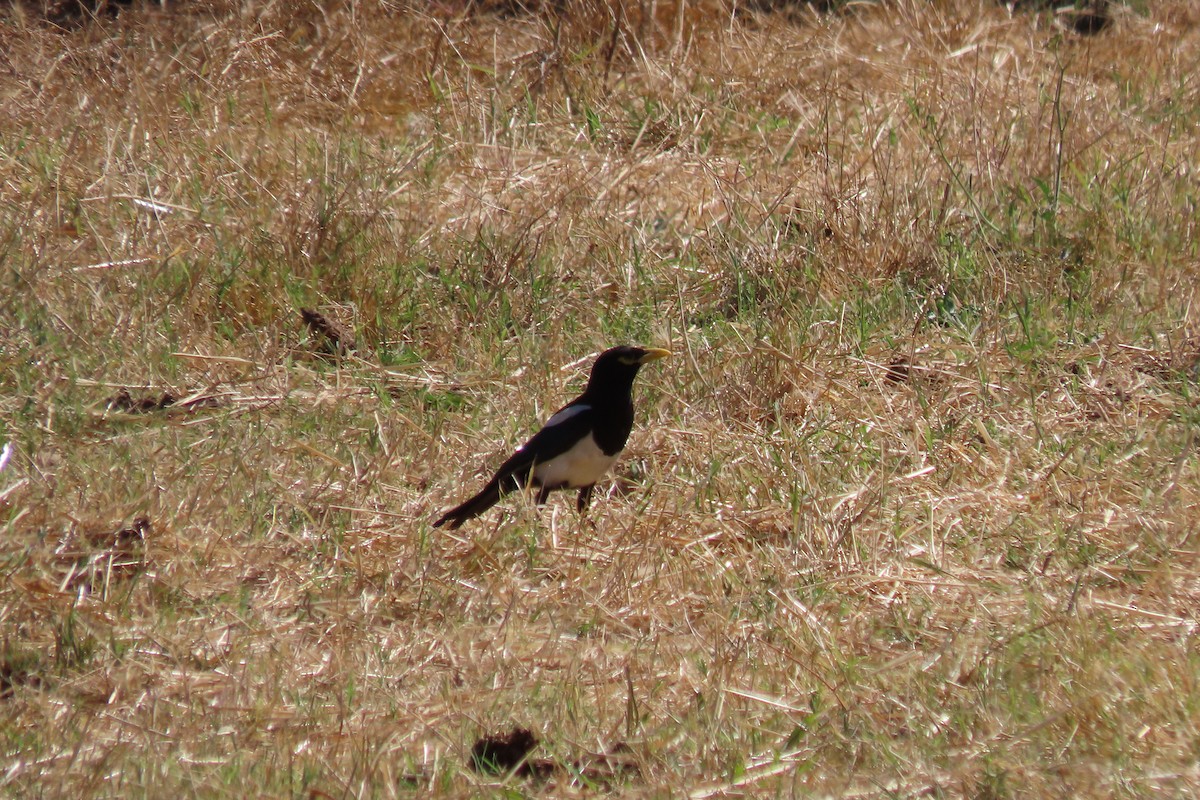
[578, 443]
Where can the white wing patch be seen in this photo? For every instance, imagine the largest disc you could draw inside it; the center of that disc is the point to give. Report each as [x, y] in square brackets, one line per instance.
[565, 414]
[582, 465]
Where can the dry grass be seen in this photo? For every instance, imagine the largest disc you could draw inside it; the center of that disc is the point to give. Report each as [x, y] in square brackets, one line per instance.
[912, 513]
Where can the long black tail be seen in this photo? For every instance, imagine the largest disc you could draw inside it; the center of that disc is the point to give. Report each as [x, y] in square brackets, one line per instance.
[471, 508]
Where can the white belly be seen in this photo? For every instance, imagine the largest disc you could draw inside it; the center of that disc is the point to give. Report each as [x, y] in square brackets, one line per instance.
[582, 465]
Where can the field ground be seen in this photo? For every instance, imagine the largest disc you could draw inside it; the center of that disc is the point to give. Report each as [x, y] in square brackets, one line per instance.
[911, 513]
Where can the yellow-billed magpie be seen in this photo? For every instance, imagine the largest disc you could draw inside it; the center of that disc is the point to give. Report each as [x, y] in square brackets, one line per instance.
[577, 445]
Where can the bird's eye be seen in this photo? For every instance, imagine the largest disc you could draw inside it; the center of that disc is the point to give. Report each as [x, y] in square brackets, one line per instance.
[630, 360]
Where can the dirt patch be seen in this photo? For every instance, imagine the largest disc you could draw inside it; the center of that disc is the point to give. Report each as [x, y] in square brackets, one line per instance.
[147, 403]
[91, 558]
[509, 753]
[18, 668]
[334, 336]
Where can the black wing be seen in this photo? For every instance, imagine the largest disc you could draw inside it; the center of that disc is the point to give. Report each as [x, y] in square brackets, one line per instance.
[569, 424]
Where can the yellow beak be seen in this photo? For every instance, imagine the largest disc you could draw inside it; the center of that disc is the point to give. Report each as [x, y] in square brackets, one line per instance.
[654, 354]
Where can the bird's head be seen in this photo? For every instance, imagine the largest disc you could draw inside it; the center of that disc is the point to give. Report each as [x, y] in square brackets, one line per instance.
[618, 366]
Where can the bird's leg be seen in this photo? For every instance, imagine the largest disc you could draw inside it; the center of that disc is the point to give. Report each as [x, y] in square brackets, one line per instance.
[543, 493]
[585, 497]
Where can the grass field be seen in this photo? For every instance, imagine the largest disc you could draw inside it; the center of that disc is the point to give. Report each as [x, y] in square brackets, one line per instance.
[912, 512]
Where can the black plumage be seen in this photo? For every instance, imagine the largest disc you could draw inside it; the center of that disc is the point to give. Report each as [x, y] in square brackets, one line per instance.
[577, 445]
